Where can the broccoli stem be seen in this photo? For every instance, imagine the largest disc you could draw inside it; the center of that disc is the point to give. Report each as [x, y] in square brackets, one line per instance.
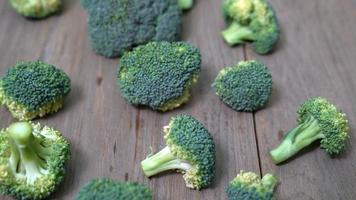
[185, 4]
[25, 159]
[163, 161]
[296, 139]
[269, 181]
[237, 34]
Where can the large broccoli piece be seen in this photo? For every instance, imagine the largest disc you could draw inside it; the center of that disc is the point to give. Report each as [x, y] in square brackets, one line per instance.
[249, 186]
[185, 4]
[116, 26]
[251, 21]
[159, 74]
[36, 8]
[106, 189]
[190, 150]
[318, 120]
[244, 87]
[33, 89]
[32, 160]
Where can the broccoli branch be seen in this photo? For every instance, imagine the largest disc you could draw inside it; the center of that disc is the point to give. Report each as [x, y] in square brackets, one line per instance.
[296, 139]
[237, 34]
[163, 161]
[269, 181]
[185, 4]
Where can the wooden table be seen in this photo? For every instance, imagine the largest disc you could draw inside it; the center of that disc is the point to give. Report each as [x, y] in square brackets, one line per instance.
[316, 56]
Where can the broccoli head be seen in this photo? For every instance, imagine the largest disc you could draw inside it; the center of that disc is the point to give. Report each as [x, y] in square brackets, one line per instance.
[33, 89]
[159, 74]
[251, 21]
[249, 186]
[244, 87]
[189, 149]
[36, 8]
[106, 189]
[318, 120]
[32, 160]
[118, 25]
[185, 4]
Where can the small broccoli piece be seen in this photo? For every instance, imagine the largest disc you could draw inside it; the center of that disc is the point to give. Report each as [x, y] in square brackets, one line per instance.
[249, 186]
[185, 4]
[119, 25]
[244, 87]
[251, 21]
[318, 120]
[36, 8]
[159, 74]
[106, 189]
[32, 160]
[33, 89]
[190, 150]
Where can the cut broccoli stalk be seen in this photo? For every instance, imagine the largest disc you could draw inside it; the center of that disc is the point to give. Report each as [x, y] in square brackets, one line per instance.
[237, 34]
[163, 161]
[27, 156]
[270, 181]
[296, 139]
[185, 4]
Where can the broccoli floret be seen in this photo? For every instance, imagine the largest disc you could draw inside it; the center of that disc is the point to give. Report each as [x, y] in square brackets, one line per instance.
[36, 8]
[318, 120]
[244, 87]
[118, 25]
[33, 89]
[189, 149]
[32, 160]
[106, 189]
[159, 74]
[249, 186]
[185, 4]
[251, 21]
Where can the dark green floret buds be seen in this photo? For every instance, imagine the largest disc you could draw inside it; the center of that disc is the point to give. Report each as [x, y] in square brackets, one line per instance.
[251, 21]
[33, 89]
[319, 120]
[32, 160]
[159, 75]
[249, 186]
[36, 8]
[244, 87]
[106, 189]
[117, 26]
[189, 149]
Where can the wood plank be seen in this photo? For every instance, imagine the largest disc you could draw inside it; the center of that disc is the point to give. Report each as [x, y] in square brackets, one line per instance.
[316, 57]
[109, 137]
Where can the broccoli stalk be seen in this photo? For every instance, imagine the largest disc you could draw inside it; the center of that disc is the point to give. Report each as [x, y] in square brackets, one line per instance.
[162, 161]
[36, 8]
[237, 34]
[318, 120]
[185, 4]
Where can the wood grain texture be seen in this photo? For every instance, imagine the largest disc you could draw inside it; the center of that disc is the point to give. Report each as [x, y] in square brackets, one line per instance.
[108, 136]
[315, 57]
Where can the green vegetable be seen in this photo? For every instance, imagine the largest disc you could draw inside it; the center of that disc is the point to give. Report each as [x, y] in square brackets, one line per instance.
[318, 120]
[33, 89]
[190, 150]
[159, 74]
[249, 186]
[36, 8]
[244, 87]
[32, 160]
[119, 25]
[185, 4]
[106, 189]
[251, 21]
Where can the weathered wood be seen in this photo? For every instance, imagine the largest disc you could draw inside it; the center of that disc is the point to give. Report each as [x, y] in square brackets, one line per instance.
[316, 57]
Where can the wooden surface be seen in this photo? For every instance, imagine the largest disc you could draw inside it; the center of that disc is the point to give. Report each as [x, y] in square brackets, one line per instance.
[315, 57]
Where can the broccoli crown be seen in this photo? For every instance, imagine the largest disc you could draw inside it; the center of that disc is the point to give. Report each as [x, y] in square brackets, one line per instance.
[251, 20]
[331, 121]
[318, 120]
[32, 160]
[36, 8]
[118, 25]
[244, 87]
[159, 74]
[106, 189]
[249, 186]
[34, 88]
[185, 4]
[190, 150]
